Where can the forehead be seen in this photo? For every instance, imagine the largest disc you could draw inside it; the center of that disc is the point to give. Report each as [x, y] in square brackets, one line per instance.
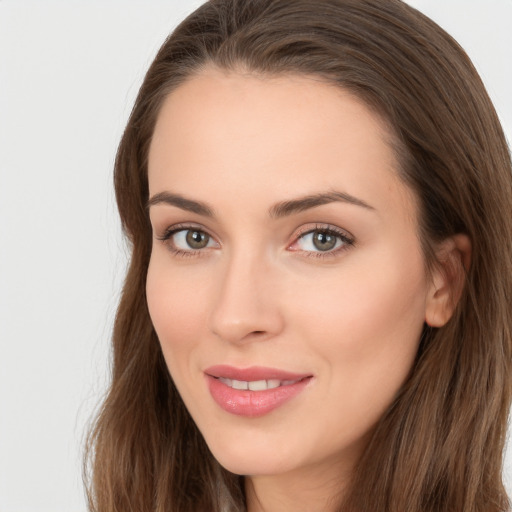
[282, 136]
[287, 107]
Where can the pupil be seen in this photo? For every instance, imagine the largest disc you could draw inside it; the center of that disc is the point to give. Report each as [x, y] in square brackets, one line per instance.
[324, 241]
[197, 239]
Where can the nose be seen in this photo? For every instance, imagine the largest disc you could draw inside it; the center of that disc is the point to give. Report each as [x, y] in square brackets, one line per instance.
[247, 306]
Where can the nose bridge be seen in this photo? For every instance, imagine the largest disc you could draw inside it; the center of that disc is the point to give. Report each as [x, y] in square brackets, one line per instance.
[247, 306]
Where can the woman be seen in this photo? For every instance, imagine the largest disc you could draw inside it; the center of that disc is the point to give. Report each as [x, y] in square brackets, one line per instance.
[316, 314]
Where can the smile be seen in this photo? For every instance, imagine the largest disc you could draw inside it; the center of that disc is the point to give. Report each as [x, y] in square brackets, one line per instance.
[255, 391]
[256, 385]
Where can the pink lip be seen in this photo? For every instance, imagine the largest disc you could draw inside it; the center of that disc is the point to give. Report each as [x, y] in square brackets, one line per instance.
[253, 403]
[253, 373]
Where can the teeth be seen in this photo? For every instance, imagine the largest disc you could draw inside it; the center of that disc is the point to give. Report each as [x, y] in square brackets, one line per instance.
[273, 383]
[258, 385]
[255, 385]
[239, 384]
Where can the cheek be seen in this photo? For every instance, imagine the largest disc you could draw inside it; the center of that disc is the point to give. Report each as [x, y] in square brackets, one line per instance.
[385, 308]
[365, 299]
[372, 317]
[177, 307]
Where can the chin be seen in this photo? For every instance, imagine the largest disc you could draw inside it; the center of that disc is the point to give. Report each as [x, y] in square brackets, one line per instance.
[242, 465]
[241, 459]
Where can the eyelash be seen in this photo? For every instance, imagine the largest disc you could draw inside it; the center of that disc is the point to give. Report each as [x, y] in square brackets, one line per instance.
[347, 240]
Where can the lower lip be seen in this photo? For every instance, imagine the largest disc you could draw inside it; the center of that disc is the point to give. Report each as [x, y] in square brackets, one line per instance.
[253, 403]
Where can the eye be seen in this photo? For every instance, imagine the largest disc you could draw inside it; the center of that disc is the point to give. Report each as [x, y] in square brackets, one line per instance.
[188, 239]
[191, 239]
[322, 240]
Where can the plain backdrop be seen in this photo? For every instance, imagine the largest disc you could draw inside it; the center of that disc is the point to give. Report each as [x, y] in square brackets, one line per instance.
[69, 72]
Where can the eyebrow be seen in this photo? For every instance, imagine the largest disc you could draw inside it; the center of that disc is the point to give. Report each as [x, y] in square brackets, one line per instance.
[179, 201]
[279, 210]
[305, 203]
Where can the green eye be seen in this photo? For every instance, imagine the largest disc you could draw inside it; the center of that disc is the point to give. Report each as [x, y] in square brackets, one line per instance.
[195, 239]
[324, 240]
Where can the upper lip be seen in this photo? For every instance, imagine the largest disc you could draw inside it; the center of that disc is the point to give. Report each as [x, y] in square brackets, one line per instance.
[253, 373]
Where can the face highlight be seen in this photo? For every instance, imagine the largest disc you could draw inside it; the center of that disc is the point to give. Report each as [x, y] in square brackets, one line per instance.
[286, 284]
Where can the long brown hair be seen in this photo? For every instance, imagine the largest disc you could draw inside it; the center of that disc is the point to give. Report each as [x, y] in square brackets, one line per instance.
[439, 447]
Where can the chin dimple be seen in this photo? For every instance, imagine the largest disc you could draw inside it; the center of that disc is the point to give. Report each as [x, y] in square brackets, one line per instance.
[255, 385]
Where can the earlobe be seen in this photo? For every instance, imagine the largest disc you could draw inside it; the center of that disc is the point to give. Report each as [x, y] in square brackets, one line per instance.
[448, 279]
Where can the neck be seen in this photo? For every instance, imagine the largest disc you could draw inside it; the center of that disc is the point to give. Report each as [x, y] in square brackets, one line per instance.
[313, 488]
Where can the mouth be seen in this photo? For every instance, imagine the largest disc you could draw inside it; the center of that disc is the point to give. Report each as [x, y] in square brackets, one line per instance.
[256, 385]
[253, 391]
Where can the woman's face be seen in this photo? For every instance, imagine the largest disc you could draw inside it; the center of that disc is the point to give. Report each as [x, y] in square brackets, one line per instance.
[286, 283]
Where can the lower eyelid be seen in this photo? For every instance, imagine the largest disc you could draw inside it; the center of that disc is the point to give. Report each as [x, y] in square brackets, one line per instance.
[318, 255]
[324, 255]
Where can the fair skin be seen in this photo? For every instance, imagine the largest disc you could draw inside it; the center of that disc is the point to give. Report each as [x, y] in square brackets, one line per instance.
[334, 289]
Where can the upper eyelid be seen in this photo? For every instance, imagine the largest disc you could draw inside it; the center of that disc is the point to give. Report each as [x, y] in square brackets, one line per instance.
[175, 228]
[311, 228]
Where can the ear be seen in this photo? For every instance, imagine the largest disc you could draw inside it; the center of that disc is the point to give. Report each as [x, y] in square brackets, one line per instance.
[447, 284]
